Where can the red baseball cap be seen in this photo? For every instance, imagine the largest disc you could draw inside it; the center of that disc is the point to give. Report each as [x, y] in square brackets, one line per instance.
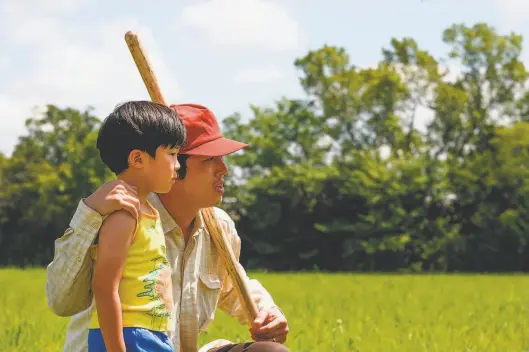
[203, 132]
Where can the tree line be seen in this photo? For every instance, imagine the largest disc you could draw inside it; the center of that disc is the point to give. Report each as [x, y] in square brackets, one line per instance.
[414, 164]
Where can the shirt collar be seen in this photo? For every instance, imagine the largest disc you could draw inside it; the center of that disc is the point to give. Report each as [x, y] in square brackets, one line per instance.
[168, 223]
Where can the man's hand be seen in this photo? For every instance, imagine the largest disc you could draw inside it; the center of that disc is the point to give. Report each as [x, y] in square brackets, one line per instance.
[270, 325]
[113, 196]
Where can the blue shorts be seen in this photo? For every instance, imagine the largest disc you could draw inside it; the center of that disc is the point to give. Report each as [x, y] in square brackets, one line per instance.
[136, 340]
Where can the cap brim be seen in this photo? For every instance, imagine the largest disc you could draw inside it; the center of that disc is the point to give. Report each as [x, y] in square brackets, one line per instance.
[217, 147]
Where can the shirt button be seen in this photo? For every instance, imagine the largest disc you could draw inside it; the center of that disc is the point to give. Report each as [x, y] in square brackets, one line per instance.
[78, 260]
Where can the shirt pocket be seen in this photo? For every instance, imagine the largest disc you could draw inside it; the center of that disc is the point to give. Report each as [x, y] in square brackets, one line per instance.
[209, 287]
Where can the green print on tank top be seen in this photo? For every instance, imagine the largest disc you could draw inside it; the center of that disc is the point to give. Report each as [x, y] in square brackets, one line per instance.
[161, 268]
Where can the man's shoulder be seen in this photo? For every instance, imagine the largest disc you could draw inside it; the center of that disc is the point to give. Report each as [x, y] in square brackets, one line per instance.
[226, 223]
[222, 215]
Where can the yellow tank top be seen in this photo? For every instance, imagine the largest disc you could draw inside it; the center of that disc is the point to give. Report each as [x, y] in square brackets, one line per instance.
[145, 286]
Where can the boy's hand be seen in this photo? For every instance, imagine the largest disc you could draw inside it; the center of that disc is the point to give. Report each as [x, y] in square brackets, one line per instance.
[113, 196]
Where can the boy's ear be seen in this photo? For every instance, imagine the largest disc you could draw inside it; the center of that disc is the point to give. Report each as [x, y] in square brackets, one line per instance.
[137, 159]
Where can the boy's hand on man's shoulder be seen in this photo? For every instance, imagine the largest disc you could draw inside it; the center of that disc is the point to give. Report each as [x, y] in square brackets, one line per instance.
[112, 196]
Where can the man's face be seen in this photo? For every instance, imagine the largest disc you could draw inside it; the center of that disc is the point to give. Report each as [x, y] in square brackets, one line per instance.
[204, 180]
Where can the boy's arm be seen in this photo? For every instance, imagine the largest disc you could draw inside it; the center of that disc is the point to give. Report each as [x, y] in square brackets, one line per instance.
[114, 241]
[68, 276]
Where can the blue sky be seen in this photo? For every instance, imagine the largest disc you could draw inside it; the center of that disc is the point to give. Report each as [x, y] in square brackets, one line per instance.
[226, 54]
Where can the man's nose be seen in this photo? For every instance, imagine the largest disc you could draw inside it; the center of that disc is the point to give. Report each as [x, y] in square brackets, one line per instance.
[222, 166]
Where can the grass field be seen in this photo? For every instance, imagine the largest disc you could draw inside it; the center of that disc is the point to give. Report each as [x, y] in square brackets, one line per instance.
[329, 313]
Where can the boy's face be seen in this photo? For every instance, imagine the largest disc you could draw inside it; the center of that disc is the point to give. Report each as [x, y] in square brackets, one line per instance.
[204, 180]
[161, 170]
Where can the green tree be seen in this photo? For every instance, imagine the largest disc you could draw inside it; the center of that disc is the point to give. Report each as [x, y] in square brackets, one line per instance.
[379, 191]
[51, 169]
[416, 163]
[470, 111]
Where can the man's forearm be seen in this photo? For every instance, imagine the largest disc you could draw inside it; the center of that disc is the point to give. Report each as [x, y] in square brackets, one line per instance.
[69, 274]
[108, 306]
[230, 303]
[229, 300]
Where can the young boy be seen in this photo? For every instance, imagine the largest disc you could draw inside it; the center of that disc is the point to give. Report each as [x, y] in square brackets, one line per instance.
[139, 141]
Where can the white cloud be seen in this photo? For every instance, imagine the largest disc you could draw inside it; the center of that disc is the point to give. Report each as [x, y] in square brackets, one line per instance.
[4, 61]
[258, 75]
[41, 7]
[259, 24]
[72, 66]
[12, 122]
[514, 12]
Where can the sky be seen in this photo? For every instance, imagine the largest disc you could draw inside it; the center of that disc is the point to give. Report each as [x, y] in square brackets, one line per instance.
[225, 54]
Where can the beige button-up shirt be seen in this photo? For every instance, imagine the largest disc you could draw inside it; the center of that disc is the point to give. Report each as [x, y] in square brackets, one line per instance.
[200, 280]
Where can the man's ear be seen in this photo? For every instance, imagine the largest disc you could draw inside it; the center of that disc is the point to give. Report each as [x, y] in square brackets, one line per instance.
[137, 159]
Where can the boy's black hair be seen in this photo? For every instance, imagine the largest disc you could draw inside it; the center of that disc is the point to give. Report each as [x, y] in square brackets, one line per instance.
[141, 125]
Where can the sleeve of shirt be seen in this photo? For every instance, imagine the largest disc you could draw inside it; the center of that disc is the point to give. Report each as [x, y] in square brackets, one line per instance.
[229, 301]
[69, 275]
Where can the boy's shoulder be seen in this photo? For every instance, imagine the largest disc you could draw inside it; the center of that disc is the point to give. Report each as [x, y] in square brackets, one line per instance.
[120, 217]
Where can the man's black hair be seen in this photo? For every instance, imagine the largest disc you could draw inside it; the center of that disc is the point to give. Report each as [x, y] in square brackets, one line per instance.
[141, 125]
[182, 172]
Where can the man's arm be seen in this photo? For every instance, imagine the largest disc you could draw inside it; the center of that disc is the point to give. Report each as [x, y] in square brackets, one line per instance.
[271, 322]
[114, 241]
[68, 276]
[229, 300]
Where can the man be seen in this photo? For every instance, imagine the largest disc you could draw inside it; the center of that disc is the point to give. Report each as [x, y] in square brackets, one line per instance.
[200, 282]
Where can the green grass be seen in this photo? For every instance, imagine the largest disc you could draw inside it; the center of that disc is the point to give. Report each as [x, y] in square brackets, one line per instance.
[329, 313]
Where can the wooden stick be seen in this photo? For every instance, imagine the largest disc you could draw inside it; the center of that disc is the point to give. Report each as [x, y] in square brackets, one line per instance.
[217, 235]
[145, 67]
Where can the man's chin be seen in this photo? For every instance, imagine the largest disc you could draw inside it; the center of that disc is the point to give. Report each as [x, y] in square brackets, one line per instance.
[219, 201]
[215, 202]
